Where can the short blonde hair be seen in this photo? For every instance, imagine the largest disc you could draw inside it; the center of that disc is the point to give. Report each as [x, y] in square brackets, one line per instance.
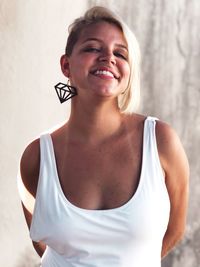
[128, 101]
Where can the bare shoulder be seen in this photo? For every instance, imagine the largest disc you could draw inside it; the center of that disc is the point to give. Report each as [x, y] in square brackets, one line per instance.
[170, 147]
[29, 166]
[167, 138]
[172, 155]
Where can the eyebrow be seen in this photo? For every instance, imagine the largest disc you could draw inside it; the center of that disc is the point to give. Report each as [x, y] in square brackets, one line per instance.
[99, 40]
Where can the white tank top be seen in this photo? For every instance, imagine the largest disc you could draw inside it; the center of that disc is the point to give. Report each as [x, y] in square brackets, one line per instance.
[128, 236]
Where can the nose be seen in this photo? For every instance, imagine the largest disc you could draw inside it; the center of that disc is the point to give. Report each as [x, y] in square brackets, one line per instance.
[107, 56]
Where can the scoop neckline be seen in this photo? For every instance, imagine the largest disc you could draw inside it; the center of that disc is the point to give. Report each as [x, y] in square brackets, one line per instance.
[123, 206]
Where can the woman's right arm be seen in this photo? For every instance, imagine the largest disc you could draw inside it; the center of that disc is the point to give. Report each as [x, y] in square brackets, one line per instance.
[28, 180]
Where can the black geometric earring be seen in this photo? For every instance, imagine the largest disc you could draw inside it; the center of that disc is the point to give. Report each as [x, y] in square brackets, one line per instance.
[63, 93]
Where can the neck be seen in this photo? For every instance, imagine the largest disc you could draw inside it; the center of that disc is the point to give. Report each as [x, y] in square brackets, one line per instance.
[95, 123]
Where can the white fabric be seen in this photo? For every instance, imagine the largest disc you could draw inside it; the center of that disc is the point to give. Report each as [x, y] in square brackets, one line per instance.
[128, 236]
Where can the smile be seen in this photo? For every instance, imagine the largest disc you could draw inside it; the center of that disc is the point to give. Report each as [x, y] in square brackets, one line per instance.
[104, 72]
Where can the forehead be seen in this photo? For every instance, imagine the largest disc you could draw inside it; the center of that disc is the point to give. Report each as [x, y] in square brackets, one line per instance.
[102, 30]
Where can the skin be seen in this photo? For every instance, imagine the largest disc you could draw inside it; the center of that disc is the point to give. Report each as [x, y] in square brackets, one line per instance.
[98, 139]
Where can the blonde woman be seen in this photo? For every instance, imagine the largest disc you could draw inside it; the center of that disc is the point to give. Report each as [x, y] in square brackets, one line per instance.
[110, 187]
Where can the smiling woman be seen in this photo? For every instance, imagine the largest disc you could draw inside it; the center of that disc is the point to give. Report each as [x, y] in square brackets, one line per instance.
[129, 100]
[109, 187]
[98, 63]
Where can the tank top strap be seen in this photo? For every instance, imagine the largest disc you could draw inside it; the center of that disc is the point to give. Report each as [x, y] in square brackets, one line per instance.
[150, 134]
[48, 168]
[46, 153]
[45, 186]
[151, 156]
[45, 165]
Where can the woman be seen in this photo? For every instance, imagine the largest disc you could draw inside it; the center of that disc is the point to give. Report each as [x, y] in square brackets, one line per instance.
[110, 187]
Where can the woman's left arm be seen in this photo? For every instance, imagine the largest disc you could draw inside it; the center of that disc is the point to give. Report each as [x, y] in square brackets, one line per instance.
[175, 165]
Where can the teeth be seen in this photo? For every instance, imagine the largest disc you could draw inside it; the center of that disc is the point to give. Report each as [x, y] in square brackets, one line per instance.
[104, 72]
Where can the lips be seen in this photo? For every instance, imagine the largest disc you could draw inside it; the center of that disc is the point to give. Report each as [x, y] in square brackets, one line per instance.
[105, 71]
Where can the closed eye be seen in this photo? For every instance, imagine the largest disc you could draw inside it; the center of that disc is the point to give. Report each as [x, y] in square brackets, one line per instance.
[91, 49]
[121, 55]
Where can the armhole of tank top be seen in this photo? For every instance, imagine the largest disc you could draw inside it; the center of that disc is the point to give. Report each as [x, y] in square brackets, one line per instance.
[34, 215]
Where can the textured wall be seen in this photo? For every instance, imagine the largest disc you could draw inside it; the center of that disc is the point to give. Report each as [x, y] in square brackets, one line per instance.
[33, 36]
[169, 35]
[32, 40]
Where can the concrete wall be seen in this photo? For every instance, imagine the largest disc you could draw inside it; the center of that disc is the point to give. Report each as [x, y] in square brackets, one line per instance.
[33, 34]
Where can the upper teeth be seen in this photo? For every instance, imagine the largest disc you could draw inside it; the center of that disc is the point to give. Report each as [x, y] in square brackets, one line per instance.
[104, 72]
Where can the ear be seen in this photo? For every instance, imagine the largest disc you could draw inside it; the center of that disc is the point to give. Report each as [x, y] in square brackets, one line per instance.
[64, 63]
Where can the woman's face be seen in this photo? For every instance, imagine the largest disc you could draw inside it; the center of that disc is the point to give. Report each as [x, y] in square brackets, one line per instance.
[99, 61]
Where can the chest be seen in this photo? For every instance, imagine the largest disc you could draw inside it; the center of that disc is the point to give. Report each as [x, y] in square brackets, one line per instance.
[100, 177]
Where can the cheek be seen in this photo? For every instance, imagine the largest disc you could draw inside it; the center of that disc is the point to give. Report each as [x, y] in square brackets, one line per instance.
[77, 73]
[80, 64]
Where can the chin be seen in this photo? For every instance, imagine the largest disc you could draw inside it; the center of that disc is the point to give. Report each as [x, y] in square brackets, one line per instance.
[107, 92]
